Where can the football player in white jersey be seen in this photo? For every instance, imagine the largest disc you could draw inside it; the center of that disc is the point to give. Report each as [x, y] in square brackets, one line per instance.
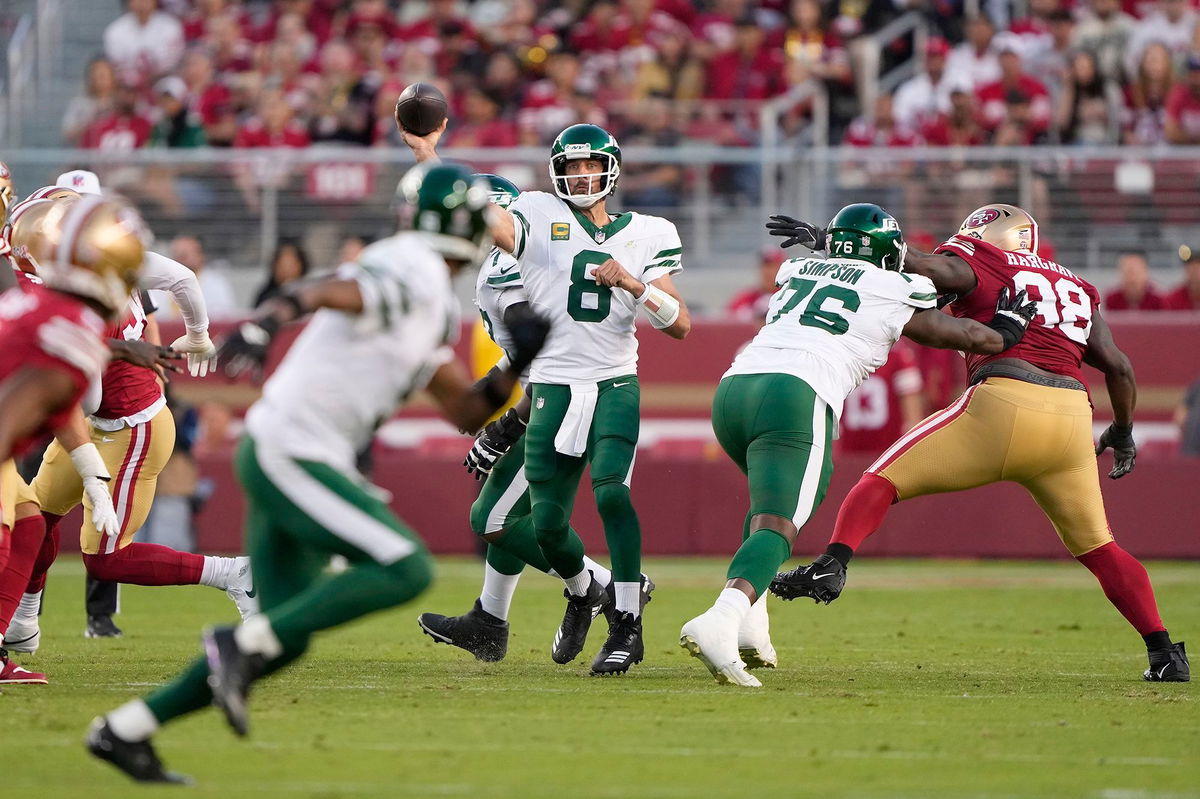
[829, 325]
[588, 271]
[501, 513]
[382, 329]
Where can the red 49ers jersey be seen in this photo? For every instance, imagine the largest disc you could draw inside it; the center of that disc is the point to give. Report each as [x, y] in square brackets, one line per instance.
[47, 329]
[1057, 339]
[128, 390]
[871, 418]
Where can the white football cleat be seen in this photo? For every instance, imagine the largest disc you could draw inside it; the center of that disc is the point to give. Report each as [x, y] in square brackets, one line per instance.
[23, 638]
[242, 591]
[754, 638]
[712, 638]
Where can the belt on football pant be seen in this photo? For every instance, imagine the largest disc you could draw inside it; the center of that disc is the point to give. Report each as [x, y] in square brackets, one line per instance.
[1026, 375]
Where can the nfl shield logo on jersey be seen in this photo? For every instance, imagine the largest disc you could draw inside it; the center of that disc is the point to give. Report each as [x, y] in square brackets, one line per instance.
[541, 403]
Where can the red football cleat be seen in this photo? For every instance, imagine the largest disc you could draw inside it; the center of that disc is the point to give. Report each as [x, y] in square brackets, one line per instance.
[12, 674]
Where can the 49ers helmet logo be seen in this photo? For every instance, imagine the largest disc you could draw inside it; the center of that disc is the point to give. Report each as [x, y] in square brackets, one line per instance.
[981, 217]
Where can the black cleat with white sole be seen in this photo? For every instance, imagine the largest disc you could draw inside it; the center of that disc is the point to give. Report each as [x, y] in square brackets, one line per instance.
[577, 620]
[477, 631]
[822, 581]
[610, 602]
[230, 674]
[1169, 665]
[136, 758]
[101, 626]
[624, 646]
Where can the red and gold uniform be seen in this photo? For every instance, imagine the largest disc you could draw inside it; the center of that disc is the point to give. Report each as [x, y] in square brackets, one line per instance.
[45, 329]
[135, 434]
[1008, 429]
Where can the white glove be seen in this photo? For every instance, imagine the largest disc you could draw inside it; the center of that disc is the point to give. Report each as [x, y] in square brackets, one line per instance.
[91, 468]
[104, 515]
[201, 354]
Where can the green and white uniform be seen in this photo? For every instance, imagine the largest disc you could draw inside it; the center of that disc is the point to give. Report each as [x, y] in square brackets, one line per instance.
[584, 381]
[505, 494]
[305, 500]
[830, 324]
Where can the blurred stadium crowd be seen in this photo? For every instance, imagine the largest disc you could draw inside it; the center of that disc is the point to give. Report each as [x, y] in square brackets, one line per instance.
[257, 73]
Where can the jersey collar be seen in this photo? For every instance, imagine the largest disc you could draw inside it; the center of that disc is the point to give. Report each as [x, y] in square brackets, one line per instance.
[602, 234]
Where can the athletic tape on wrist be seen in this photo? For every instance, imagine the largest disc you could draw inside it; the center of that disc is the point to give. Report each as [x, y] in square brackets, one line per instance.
[88, 462]
[668, 306]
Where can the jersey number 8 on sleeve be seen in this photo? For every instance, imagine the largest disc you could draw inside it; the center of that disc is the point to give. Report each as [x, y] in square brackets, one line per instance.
[815, 314]
[1062, 304]
[582, 287]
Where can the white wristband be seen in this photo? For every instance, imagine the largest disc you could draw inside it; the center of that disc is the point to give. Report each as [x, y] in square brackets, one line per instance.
[668, 306]
[88, 462]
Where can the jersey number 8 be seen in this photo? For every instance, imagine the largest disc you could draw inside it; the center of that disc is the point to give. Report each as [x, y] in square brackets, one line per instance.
[587, 300]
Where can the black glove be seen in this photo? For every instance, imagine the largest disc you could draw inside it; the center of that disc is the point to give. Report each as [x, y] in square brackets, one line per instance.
[528, 331]
[245, 349]
[796, 232]
[491, 445]
[1120, 438]
[1012, 316]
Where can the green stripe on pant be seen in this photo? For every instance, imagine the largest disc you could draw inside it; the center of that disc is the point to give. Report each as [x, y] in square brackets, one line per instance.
[554, 477]
[779, 433]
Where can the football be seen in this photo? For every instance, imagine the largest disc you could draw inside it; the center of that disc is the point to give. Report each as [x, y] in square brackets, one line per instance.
[421, 108]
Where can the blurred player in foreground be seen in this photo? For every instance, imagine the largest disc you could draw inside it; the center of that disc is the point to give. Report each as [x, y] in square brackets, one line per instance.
[381, 330]
[830, 324]
[1026, 418]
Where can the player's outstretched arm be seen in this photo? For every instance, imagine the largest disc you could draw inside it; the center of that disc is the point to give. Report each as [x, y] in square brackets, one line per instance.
[1103, 354]
[468, 405]
[936, 329]
[28, 397]
[245, 349]
[949, 273]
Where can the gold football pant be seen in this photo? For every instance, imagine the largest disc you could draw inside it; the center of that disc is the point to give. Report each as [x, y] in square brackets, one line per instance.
[134, 457]
[14, 491]
[1004, 429]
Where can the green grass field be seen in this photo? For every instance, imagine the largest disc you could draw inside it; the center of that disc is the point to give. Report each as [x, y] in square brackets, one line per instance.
[926, 679]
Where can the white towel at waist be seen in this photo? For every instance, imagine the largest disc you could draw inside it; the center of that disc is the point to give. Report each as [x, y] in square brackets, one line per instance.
[572, 434]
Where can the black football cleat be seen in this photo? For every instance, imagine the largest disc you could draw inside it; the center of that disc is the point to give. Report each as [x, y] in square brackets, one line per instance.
[571, 635]
[623, 648]
[101, 627]
[822, 581]
[230, 674]
[136, 758]
[477, 631]
[610, 598]
[1169, 665]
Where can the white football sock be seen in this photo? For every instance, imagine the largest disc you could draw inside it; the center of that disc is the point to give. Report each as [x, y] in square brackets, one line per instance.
[602, 575]
[132, 721]
[497, 593]
[27, 611]
[578, 585]
[629, 597]
[733, 603]
[222, 573]
[254, 636]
